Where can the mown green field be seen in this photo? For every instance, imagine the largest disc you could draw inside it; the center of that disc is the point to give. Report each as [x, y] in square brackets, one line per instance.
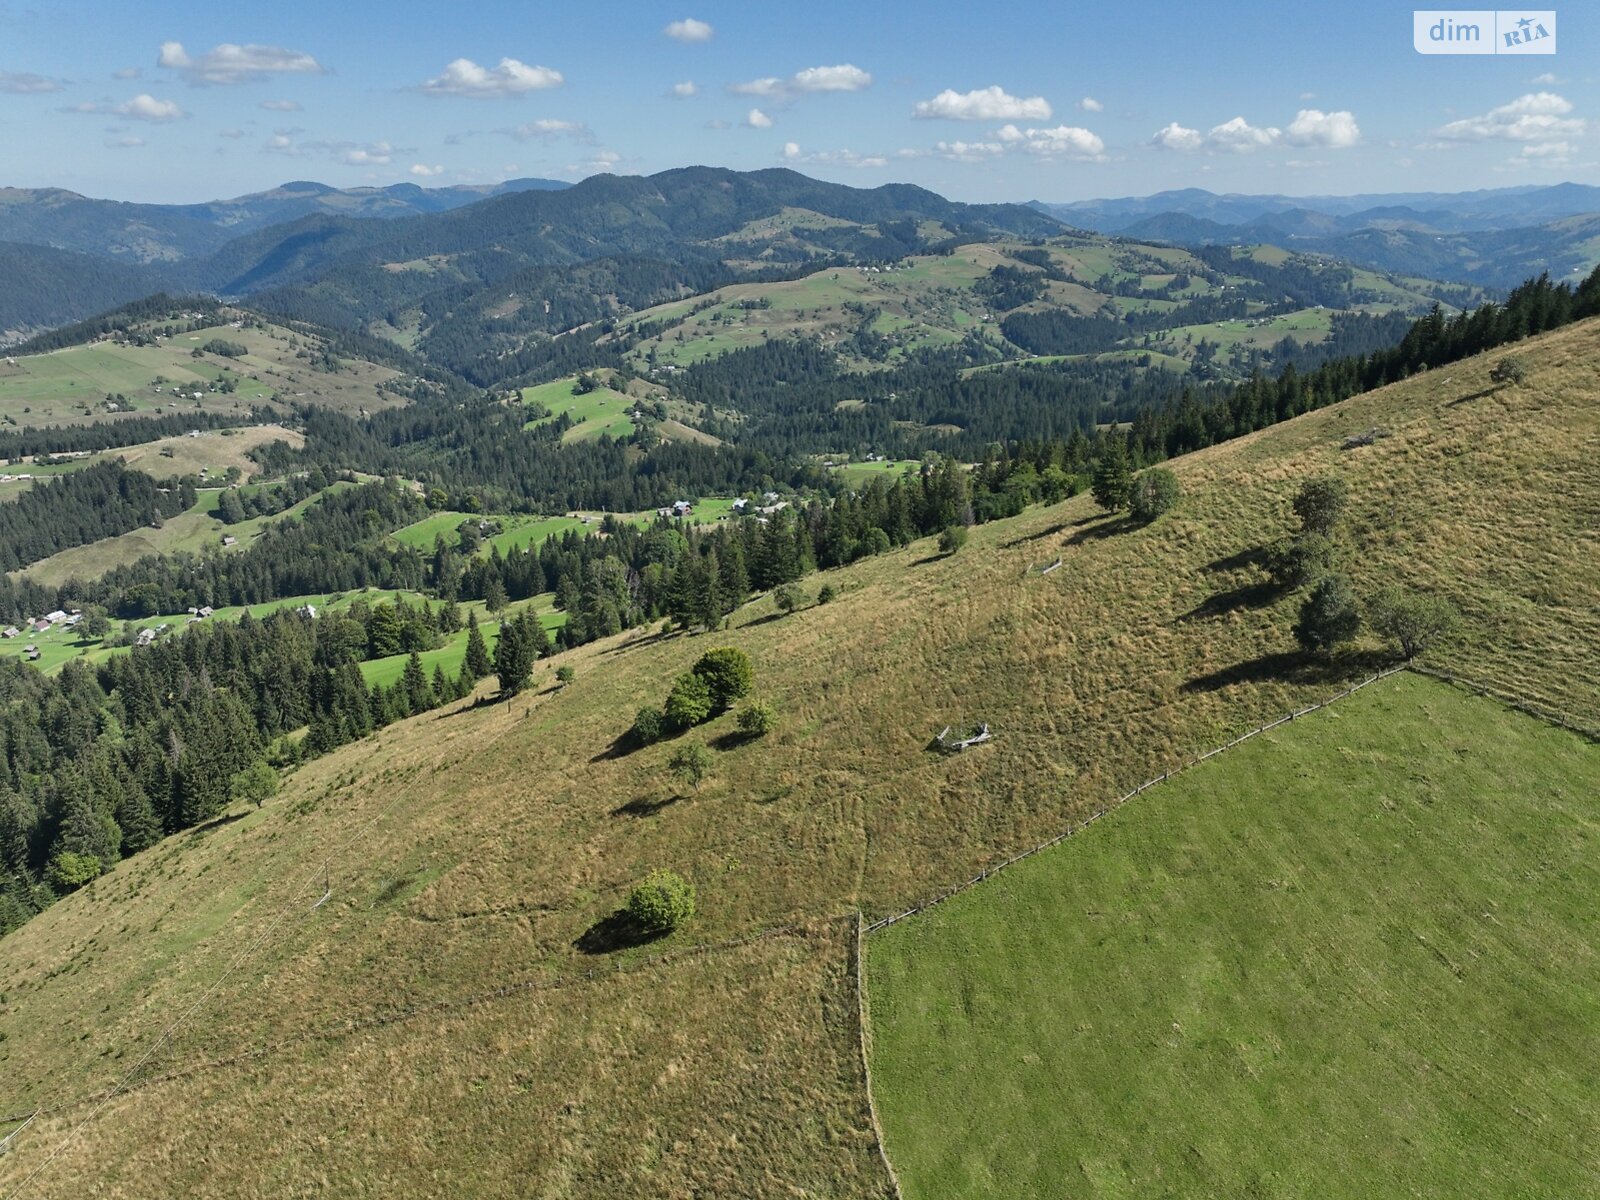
[601, 411]
[517, 532]
[861, 473]
[1357, 956]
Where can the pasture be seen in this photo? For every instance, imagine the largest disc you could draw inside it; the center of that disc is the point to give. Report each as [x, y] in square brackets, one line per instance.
[1355, 956]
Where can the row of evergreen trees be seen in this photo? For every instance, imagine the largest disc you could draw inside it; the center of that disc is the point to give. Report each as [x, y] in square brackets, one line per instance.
[84, 506]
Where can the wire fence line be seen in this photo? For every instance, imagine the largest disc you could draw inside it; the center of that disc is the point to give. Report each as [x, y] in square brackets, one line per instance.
[862, 1034]
[1113, 805]
[359, 1024]
[1547, 715]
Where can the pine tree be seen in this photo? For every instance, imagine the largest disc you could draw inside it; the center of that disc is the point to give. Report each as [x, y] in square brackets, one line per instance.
[494, 594]
[477, 663]
[1113, 479]
[513, 658]
[419, 696]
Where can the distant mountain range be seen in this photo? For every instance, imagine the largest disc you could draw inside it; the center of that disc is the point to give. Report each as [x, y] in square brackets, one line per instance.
[319, 252]
[1494, 237]
[146, 233]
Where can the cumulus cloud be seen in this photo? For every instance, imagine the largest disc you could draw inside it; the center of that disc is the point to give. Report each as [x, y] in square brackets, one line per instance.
[757, 119]
[845, 77]
[376, 154]
[548, 129]
[1535, 117]
[1240, 137]
[682, 91]
[1543, 154]
[1237, 136]
[689, 30]
[969, 151]
[985, 104]
[228, 63]
[282, 142]
[1178, 137]
[463, 77]
[792, 153]
[145, 107]
[1312, 127]
[1090, 104]
[26, 83]
[1548, 79]
[424, 171]
[602, 161]
[1064, 141]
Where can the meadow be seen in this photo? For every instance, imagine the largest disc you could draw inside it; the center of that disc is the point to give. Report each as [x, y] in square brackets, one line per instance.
[600, 411]
[1374, 922]
[517, 531]
[488, 846]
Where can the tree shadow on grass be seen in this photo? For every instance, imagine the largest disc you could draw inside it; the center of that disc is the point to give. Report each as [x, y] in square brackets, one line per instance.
[1471, 396]
[928, 558]
[619, 931]
[732, 740]
[1293, 667]
[218, 822]
[1251, 595]
[644, 806]
[1250, 556]
[1104, 528]
[1033, 537]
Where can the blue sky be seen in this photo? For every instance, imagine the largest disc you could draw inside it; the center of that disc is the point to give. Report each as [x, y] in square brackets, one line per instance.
[167, 101]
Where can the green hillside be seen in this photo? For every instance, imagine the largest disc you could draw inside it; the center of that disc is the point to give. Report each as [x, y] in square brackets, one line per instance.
[1375, 923]
[466, 1013]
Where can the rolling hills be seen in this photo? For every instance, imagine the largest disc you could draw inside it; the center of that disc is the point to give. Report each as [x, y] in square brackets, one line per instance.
[458, 1012]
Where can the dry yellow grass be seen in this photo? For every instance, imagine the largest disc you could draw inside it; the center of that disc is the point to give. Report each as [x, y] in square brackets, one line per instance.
[472, 848]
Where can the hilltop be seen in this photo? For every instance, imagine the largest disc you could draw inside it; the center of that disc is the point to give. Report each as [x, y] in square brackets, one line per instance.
[457, 986]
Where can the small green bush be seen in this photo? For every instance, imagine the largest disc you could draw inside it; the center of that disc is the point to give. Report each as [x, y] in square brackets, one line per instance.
[648, 725]
[664, 901]
[757, 719]
[952, 539]
[1329, 617]
[826, 594]
[689, 702]
[728, 674]
[690, 763]
[68, 871]
[1154, 492]
[565, 675]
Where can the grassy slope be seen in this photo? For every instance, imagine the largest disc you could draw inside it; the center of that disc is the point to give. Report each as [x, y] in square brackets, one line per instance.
[519, 831]
[593, 413]
[1376, 923]
[54, 388]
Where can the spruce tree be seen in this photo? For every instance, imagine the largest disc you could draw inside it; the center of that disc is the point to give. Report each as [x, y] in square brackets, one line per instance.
[477, 663]
[1113, 480]
[513, 658]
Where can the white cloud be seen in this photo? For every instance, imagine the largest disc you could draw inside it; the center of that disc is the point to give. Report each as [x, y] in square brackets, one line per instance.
[846, 77]
[792, 153]
[770, 86]
[424, 171]
[689, 30]
[602, 161]
[127, 141]
[1305, 96]
[128, 73]
[1543, 154]
[1335, 130]
[985, 104]
[463, 77]
[282, 142]
[1548, 79]
[1178, 137]
[26, 83]
[1239, 136]
[145, 107]
[682, 91]
[228, 63]
[1090, 104]
[231, 134]
[281, 105]
[548, 129]
[376, 154]
[1064, 141]
[969, 151]
[1535, 117]
[757, 119]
